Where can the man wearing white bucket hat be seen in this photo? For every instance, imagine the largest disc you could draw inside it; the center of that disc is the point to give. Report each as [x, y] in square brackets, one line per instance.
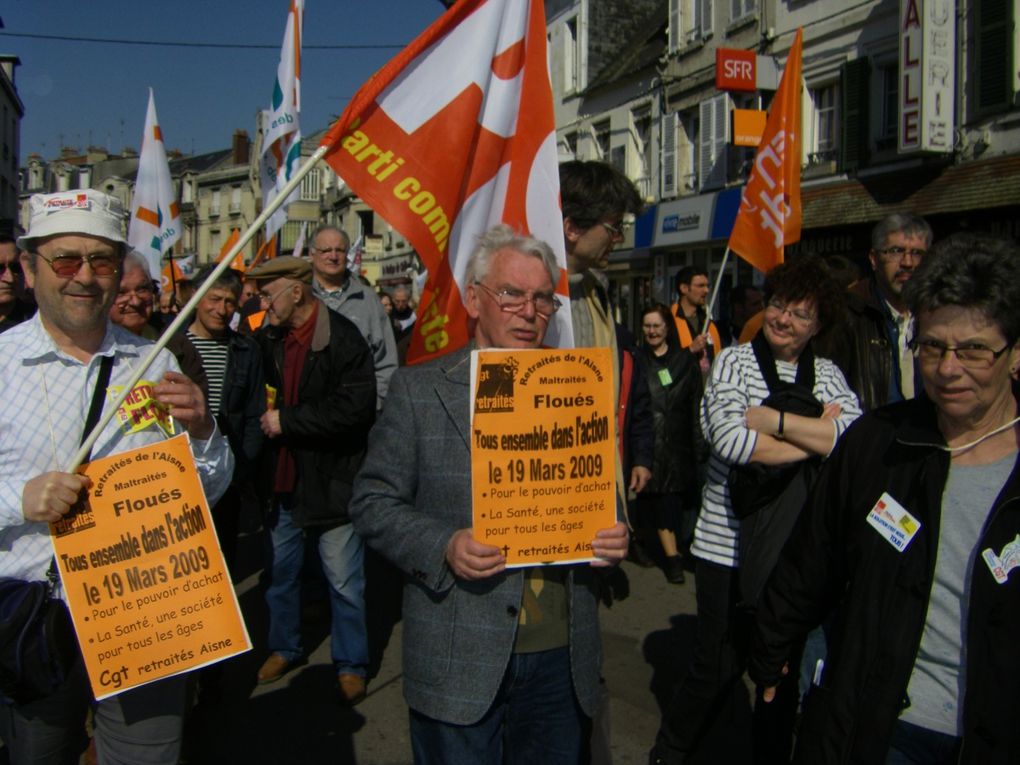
[50, 369]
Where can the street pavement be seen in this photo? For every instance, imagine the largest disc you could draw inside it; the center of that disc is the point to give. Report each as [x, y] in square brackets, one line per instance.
[647, 634]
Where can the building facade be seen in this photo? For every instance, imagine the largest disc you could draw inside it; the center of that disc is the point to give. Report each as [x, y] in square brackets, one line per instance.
[10, 137]
[906, 106]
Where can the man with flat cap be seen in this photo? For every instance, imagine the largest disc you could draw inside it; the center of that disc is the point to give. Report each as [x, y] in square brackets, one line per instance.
[52, 368]
[320, 372]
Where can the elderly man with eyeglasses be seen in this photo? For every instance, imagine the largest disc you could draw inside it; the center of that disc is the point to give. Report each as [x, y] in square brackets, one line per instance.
[343, 292]
[51, 369]
[323, 402]
[499, 665]
[132, 309]
[872, 346]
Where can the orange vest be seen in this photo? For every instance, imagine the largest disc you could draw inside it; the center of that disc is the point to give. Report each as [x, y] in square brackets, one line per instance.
[684, 330]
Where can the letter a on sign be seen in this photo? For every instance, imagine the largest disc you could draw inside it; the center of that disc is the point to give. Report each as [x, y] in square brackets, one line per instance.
[769, 216]
[451, 137]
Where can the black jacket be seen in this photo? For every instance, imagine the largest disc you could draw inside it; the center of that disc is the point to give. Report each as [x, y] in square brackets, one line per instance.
[327, 430]
[860, 346]
[242, 402]
[836, 557]
[679, 446]
[638, 437]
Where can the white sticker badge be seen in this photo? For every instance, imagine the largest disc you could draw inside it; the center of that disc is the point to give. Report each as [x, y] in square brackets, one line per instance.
[1000, 565]
[892, 521]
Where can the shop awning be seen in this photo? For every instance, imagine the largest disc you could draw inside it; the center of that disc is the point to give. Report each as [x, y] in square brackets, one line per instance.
[926, 190]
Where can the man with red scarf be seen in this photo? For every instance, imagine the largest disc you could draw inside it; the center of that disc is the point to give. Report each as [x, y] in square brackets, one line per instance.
[320, 386]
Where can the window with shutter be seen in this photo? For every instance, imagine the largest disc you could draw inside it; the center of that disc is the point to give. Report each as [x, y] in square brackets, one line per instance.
[641, 120]
[570, 56]
[823, 143]
[688, 153]
[602, 138]
[705, 16]
[675, 30]
[668, 172]
[854, 146]
[740, 9]
[714, 119]
[993, 83]
[890, 84]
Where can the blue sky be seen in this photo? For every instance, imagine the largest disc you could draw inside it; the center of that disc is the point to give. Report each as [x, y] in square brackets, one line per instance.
[97, 92]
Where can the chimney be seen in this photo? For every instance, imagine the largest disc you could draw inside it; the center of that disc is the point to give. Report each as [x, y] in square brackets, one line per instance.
[241, 146]
[9, 63]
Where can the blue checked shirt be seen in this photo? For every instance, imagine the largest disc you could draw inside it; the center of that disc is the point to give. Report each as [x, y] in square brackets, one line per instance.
[46, 396]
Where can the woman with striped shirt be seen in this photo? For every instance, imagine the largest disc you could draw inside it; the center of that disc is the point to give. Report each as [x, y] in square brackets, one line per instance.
[801, 301]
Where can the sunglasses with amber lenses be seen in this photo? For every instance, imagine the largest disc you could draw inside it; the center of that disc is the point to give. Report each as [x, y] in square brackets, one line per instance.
[66, 266]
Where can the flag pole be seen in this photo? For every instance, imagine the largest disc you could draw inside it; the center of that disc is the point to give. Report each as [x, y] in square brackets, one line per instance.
[177, 323]
[715, 291]
[173, 276]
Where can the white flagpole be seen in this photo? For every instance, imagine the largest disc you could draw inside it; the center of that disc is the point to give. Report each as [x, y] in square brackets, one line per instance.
[182, 317]
[715, 292]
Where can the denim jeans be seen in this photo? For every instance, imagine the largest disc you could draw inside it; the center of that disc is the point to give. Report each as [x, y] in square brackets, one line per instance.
[341, 554]
[914, 745]
[534, 720]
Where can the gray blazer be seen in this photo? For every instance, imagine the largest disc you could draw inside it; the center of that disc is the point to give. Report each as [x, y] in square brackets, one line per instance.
[412, 493]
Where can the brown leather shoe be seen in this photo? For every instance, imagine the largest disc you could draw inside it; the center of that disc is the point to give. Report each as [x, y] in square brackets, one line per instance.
[352, 687]
[273, 669]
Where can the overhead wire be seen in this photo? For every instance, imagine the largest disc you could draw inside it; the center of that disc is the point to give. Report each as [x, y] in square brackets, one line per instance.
[188, 44]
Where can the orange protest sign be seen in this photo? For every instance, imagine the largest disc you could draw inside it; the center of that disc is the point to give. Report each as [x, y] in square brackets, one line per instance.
[145, 579]
[543, 450]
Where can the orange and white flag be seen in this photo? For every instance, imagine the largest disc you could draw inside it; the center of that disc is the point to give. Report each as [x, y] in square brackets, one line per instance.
[155, 216]
[451, 137]
[238, 264]
[281, 147]
[770, 214]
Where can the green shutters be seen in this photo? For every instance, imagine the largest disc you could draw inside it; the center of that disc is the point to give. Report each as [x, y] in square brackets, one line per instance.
[993, 85]
[855, 94]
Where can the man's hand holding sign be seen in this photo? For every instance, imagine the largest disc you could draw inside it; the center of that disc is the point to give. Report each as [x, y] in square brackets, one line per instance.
[50, 496]
[545, 492]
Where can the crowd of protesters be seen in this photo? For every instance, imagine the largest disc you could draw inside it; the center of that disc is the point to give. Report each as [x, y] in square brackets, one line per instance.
[836, 465]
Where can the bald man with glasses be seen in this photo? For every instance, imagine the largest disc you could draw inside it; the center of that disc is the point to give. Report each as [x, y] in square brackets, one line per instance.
[343, 292]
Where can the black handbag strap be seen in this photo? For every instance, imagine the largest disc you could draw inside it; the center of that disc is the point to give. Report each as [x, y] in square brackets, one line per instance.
[767, 364]
[95, 409]
[98, 395]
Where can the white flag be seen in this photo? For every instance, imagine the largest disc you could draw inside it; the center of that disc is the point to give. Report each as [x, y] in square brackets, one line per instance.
[299, 245]
[281, 142]
[155, 216]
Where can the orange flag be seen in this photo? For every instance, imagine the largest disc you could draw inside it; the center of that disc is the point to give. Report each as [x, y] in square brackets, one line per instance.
[769, 216]
[451, 137]
[238, 264]
[172, 275]
[268, 247]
